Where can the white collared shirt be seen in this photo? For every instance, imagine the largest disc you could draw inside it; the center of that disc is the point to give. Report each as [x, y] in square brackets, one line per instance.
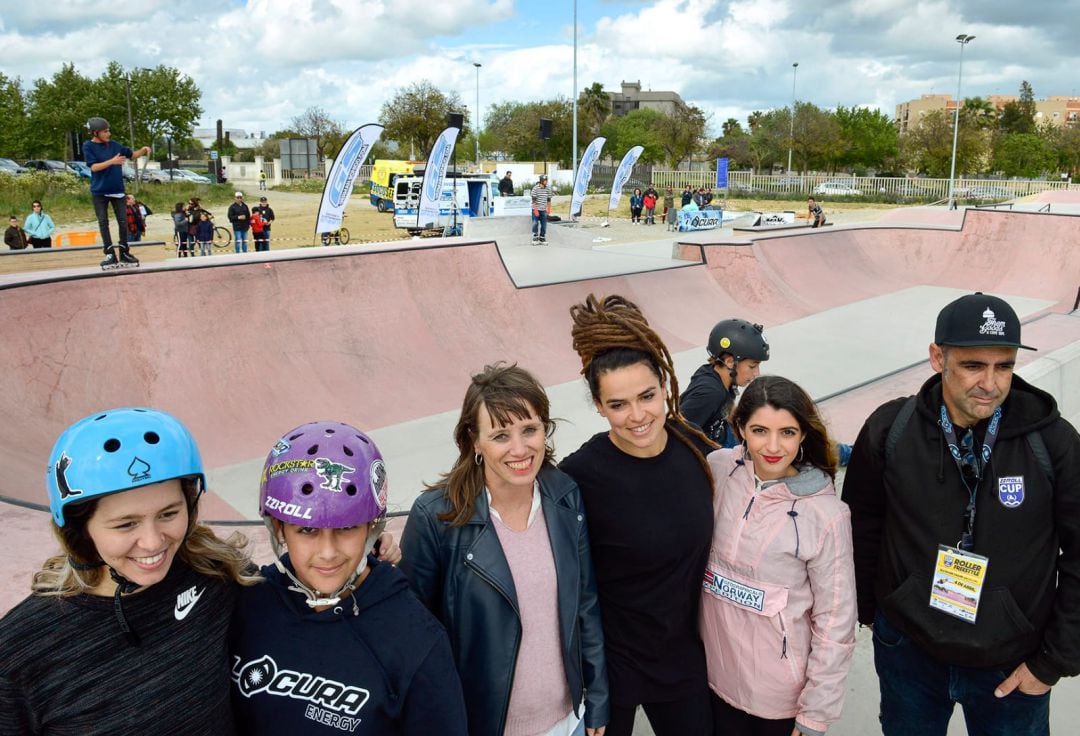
[532, 510]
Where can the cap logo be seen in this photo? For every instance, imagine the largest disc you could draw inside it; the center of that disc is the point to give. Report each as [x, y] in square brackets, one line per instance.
[992, 325]
[332, 473]
[279, 447]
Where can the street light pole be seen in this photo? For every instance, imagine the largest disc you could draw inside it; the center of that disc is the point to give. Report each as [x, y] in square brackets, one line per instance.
[573, 144]
[963, 39]
[791, 133]
[477, 131]
[131, 126]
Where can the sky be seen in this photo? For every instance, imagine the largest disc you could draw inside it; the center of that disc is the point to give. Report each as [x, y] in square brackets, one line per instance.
[259, 63]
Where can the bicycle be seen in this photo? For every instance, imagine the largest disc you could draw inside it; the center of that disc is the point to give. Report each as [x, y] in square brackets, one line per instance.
[340, 237]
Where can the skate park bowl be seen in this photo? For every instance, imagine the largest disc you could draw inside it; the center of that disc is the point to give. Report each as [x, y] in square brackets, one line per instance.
[385, 337]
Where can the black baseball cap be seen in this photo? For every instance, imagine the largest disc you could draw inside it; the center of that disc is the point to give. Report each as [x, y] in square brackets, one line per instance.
[978, 320]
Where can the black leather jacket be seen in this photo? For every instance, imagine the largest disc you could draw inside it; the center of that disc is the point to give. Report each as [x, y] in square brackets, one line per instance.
[461, 574]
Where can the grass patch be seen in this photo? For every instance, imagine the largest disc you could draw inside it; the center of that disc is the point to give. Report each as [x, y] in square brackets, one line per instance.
[67, 199]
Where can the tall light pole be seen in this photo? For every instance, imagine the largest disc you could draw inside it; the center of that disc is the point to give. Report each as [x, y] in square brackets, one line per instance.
[963, 39]
[573, 144]
[791, 133]
[477, 64]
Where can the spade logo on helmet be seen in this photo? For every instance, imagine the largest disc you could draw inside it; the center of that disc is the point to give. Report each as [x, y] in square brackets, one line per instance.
[139, 470]
[255, 676]
[60, 473]
[378, 483]
[332, 473]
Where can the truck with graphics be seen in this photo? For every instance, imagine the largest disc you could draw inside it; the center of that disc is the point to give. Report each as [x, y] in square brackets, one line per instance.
[383, 173]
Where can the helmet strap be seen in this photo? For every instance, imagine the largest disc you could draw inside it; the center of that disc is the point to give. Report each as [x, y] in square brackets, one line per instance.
[314, 598]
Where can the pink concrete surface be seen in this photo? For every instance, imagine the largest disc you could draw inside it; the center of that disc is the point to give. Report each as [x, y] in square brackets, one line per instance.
[1060, 196]
[242, 349]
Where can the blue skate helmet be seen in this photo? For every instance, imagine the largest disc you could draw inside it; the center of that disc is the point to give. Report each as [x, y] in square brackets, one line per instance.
[117, 450]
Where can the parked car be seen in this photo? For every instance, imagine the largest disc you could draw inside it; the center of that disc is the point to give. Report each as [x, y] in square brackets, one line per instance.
[836, 189]
[987, 192]
[194, 176]
[80, 168]
[737, 187]
[7, 166]
[787, 182]
[51, 166]
[906, 189]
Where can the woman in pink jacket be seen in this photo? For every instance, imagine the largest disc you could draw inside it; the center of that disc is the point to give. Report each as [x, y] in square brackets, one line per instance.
[778, 601]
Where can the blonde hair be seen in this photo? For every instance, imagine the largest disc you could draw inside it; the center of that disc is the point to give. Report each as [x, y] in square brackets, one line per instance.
[79, 569]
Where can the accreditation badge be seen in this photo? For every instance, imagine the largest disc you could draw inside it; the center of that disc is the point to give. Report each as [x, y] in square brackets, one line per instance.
[958, 582]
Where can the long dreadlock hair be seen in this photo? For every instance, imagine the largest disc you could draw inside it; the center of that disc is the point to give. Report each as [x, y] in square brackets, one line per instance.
[611, 333]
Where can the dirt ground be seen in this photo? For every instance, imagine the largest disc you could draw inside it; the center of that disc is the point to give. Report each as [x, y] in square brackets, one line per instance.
[295, 223]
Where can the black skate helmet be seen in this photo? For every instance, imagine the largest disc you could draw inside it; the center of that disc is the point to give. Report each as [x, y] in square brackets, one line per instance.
[97, 124]
[738, 338]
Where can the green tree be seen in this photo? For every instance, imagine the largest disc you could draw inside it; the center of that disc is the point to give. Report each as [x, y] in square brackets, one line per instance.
[316, 123]
[1024, 154]
[927, 147]
[1019, 116]
[594, 108]
[515, 129]
[1066, 141]
[57, 108]
[681, 134]
[164, 103]
[13, 133]
[868, 138]
[416, 115]
[818, 138]
[642, 127]
[981, 112]
[731, 127]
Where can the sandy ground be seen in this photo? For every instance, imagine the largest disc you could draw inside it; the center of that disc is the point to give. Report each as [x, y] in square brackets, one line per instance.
[295, 223]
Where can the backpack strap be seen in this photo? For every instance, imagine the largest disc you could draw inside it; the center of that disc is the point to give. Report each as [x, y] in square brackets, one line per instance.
[898, 426]
[1042, 455]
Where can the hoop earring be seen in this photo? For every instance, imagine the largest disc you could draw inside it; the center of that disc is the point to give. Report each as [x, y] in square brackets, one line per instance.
[478, 459]
[799, 458]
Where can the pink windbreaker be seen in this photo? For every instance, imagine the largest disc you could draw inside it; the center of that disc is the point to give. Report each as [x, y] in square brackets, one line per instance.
[778, 598]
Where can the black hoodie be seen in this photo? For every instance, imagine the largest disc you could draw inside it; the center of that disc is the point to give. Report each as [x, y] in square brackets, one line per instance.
[1030, 605]
[377, 663]
[706, 402]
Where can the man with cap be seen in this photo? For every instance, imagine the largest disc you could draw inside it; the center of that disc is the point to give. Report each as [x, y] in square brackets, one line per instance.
[965, 510]
[106, 159]
[541, 209]
[267, 215]
[240, 217]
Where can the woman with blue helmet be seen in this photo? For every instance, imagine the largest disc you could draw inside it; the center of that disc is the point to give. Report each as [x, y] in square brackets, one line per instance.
[126, 630]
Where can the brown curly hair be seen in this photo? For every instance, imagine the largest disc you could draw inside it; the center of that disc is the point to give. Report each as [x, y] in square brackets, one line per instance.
[611, 333]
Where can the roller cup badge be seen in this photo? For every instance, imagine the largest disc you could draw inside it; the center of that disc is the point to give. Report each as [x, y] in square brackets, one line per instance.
[1011, 490]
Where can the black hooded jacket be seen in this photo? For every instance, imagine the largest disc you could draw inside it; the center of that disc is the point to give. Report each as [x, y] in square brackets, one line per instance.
[902, 510]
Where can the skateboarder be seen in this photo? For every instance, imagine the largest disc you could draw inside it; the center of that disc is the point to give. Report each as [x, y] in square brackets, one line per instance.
[106, 159]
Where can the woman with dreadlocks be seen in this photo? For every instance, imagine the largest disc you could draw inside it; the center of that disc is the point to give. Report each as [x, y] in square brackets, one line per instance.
[647, 491]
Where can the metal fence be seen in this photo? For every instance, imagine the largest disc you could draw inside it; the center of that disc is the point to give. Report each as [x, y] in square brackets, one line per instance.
[745, 182]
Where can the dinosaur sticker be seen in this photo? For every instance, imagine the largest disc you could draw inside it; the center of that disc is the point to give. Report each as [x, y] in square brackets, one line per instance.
[332, 473]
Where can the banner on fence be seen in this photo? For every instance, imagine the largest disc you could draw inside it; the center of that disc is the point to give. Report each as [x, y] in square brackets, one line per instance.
[721, 173]
[699, 219]
[339, 182]
[434, 172]
[584, 173]
[623, 174]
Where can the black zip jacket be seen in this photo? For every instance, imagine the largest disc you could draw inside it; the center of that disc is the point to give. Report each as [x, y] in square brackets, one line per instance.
[706, 403]
[461, 574]
[1030, 606]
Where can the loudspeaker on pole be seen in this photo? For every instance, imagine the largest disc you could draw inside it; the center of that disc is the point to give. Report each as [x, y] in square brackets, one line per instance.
[545, 129]
[455, 120]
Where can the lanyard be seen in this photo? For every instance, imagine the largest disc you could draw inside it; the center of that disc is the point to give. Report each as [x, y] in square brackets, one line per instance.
[970, 465]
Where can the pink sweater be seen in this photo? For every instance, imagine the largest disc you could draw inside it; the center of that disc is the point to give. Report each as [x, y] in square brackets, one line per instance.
[540, 697]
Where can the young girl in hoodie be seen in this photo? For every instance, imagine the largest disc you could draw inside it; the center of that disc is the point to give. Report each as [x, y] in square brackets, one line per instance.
[334, 637]
[778, 601]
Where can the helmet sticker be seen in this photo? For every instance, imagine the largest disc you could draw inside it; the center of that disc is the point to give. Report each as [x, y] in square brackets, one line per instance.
[279, 447]
[378, 483]
[725, 342]
[332, 473]
[60, 471]
[139, 470]
[287, 466]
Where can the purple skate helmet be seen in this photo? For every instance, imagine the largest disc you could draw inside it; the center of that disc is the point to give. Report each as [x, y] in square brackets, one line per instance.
[324, 475]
